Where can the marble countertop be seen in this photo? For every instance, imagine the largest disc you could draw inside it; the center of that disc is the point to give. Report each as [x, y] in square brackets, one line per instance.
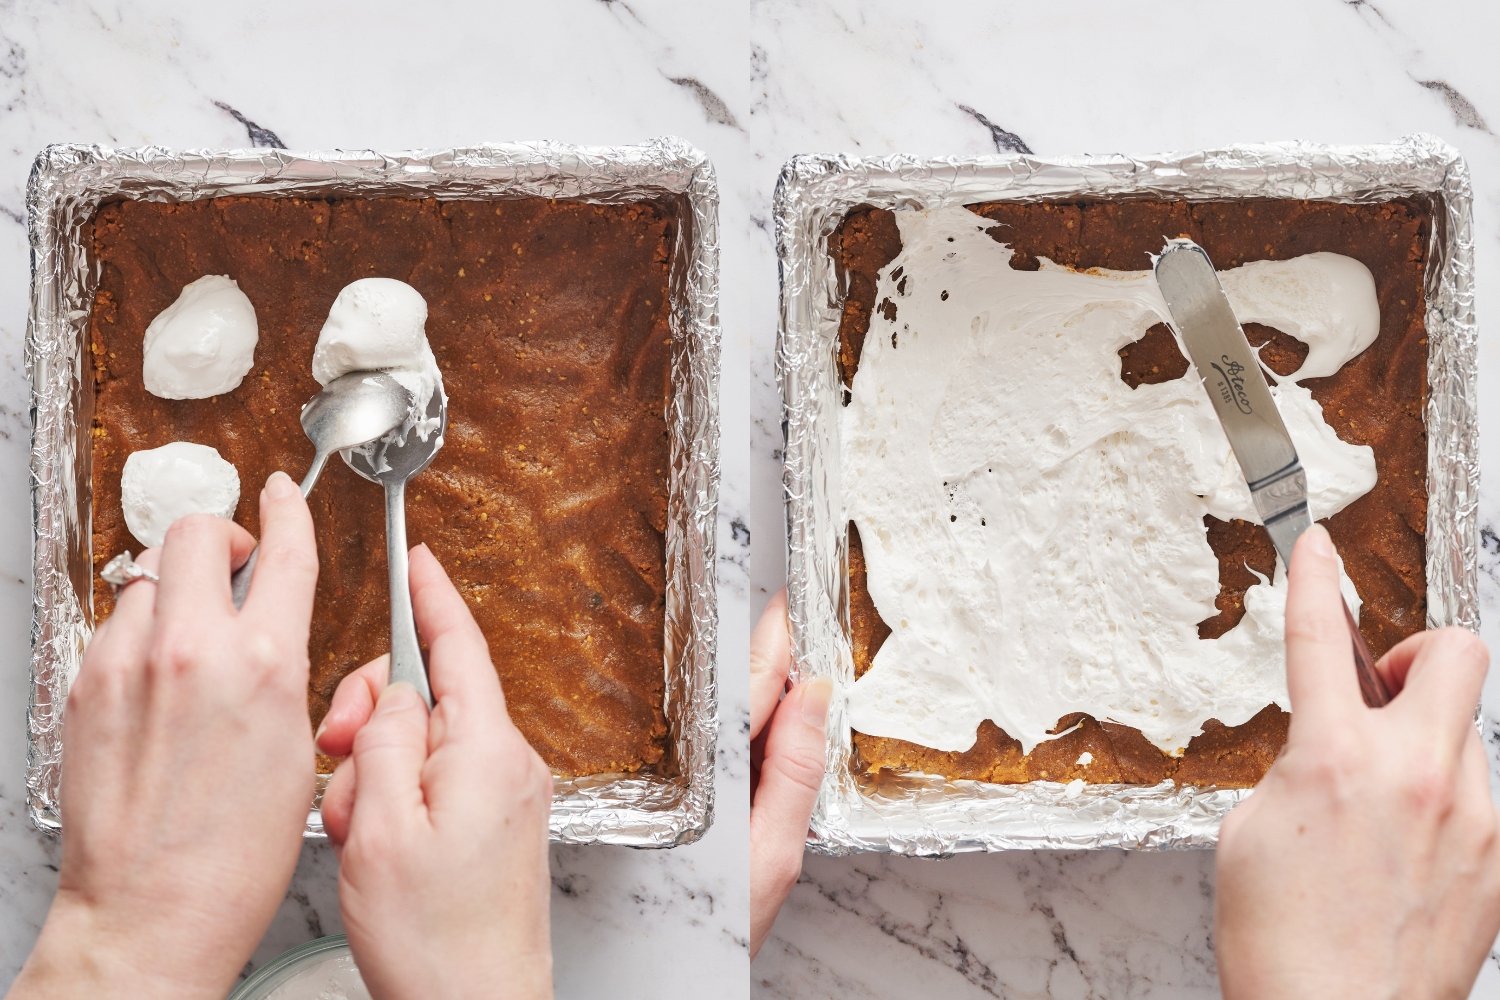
[1079, 78]
[751, 82]
[628, 924]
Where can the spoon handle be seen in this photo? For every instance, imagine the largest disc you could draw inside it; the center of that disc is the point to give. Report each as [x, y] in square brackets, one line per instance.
[313, 472]
[239, 580]
[1371, 684]
[406, 654]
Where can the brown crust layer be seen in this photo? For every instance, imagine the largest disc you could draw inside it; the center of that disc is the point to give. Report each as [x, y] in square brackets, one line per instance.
[547, 505]
[1378, 399]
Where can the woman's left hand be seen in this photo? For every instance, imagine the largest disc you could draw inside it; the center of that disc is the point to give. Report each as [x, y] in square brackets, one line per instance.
[187, 769]
[787, 747]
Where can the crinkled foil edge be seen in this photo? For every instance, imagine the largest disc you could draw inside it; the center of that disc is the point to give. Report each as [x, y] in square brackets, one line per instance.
[930, 815]
[671, 804]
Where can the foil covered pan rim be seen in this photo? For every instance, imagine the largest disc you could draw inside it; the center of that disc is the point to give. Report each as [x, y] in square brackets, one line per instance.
[802, 173]
[539, 155]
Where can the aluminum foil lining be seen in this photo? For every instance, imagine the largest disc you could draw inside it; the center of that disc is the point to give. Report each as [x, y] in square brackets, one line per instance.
[670, 804]
[929, 815]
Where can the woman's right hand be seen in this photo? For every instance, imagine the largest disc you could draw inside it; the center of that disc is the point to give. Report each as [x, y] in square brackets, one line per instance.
[440, 819]
[1367, 863]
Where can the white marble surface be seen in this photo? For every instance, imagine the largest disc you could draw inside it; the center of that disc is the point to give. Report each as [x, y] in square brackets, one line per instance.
[845, 76]
[386, 75]
[869, 76]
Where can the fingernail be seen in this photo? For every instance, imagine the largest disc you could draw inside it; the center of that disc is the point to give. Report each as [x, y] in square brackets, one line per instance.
[1318, 541]
[816, 694]
[280, 486]
[398, 696]
[318, 733]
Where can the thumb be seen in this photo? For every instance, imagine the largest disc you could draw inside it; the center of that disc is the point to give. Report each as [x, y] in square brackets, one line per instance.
[1319, 660]
[353, 704]
[389, 753]
[791, 772]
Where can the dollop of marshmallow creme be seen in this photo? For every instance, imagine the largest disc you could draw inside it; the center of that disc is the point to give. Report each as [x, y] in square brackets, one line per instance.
[1033, 526]
[163, 484]
[378, 324]
[203, 344]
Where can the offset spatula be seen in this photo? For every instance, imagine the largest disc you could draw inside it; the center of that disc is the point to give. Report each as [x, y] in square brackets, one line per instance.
[1237, 388]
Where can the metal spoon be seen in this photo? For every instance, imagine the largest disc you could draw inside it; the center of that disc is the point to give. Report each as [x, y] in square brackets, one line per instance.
[352, 410]
[401, 454]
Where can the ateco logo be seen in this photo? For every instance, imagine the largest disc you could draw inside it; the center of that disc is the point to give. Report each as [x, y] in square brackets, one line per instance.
[1232, 382]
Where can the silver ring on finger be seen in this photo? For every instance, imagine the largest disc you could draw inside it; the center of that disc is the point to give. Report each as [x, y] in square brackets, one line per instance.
[121, 571]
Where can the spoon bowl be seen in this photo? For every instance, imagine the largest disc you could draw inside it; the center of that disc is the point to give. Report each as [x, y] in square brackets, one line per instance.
[401, 451]
[352, 410]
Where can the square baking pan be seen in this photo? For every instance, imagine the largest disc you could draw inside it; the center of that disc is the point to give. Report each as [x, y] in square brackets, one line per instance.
[920, 814]
[667, 804]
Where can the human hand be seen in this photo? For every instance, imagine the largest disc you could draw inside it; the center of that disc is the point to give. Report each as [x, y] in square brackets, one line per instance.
[187, 767]
[441, 820]
[1367, 862]
[788, 737]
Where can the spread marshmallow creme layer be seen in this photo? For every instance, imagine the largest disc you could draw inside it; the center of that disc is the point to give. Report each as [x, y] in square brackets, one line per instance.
[1033, 526]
